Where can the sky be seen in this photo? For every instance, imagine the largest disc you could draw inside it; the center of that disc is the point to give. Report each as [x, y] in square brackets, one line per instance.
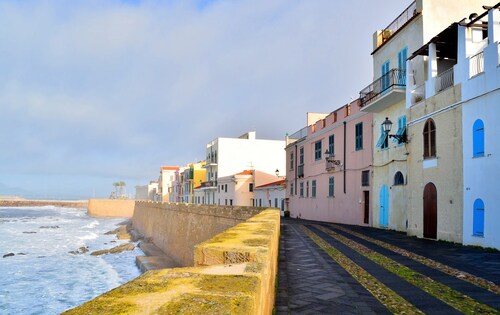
[93, 92]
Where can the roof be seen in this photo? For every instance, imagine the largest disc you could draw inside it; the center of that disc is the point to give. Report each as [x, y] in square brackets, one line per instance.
[169, 168]
[247, 172]
[276, 183]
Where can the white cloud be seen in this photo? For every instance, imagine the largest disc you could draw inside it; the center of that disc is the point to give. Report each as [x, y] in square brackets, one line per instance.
[113, 89]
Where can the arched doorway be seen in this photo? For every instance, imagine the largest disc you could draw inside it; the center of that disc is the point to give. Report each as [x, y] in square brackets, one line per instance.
[384, 206]
[430, 211]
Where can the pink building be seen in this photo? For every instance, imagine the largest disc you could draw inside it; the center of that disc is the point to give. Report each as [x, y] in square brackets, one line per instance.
[329, 167]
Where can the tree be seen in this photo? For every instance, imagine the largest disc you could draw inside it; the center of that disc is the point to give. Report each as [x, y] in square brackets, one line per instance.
[121, 184]
[116, 184]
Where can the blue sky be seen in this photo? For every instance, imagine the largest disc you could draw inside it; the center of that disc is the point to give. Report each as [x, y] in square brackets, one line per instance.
[93, 92]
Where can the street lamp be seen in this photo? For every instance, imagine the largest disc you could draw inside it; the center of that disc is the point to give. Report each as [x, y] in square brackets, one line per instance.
[386, 127]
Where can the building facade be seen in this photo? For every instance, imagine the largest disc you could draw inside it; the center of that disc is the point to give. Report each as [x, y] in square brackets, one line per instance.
[329, 167]
[229, 156]
[165, 180]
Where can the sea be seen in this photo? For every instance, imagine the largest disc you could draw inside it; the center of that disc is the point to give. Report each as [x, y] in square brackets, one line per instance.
[43, 277]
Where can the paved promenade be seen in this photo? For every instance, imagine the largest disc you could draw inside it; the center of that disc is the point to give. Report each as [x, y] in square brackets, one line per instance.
[339, 269]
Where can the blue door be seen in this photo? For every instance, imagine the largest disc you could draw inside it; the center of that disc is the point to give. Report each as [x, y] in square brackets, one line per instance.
[384, 205]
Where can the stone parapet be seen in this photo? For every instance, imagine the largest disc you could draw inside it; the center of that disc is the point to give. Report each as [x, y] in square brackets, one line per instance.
[234, 273]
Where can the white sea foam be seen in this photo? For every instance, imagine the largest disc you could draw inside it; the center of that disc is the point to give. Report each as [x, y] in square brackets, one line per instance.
[48, 279]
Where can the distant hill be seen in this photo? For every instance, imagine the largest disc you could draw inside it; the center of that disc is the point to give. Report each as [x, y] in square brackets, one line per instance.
[10, 192]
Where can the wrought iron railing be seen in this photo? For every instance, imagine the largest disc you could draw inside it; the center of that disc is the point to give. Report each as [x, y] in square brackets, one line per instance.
[399, 22]
[476, 64]
[393, 78]
[444, 80]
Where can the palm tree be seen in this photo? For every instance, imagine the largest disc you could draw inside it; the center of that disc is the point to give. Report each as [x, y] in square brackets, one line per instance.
[116, 184]
[121, 184]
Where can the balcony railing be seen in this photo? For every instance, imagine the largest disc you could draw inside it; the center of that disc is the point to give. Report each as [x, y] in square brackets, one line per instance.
[476, 64]
[393, 78]
[399, 22]
[209, 184]
[300, 171]
[444, 80]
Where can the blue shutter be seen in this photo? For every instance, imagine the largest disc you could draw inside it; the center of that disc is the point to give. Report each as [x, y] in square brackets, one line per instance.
[381, 140]
[478, 218]
[385, 76]
[478, 138]
[402, 56]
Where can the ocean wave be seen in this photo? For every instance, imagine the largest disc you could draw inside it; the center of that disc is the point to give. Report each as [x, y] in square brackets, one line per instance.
[92, 224]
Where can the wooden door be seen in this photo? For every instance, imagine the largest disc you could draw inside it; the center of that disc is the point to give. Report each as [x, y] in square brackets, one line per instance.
[430, 211]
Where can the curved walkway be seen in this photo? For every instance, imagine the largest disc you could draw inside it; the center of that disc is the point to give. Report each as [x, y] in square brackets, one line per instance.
[339, 269]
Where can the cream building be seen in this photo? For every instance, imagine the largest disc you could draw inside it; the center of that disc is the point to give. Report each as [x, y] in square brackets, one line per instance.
[386, 97]
[147, 192]
[239, 189]
[165, 180]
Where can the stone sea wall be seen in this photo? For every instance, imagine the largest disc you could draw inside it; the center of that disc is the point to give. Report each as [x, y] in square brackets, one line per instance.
[176, 228]
[121, 208]
[234, 273]
[41, 203]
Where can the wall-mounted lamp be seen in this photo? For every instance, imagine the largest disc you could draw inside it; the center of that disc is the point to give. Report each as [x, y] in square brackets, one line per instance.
[386, 127]
[330, 160]
[277, 172]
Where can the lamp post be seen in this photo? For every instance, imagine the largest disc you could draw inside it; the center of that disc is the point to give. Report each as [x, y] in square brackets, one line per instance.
[387, 125]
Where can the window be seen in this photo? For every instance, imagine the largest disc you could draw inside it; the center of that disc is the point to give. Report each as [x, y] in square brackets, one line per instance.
[276, 202]
[301, 189]
[250, 187]
[225, 188]
[383, 141]
[478, 218]
[385, 75]
[402, 56]
[359, 136]
[478, 138]
[307, 189]
[313, 189]
[226, 202]
[291, 189]
[301, 156]
[331, 186]
[230, 202]
[317, 150]
[260, 202]
[429, 139]
[399, 179]
[291, 160]
[252, 201]
[365, 178]
[331, 145]
[401, 128]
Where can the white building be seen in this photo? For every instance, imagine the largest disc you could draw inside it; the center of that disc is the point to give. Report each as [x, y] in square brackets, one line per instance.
[478, 65]
[229, 156]
[165, 181]
[271, 195]
[147, 192]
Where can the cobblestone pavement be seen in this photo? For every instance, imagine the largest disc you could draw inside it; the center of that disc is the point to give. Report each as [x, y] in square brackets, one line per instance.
[432, 277]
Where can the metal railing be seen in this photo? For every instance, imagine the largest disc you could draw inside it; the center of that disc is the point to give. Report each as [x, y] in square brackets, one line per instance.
[444, 80]
[208, 184]
[393, 78]
[476, 64]
[399, 22]
[418, 94]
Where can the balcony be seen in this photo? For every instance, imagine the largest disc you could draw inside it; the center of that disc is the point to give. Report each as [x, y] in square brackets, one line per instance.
[409, 13]
[444, 80]
[300, 171]
[211, 184]
[476, 64]
[385, 91]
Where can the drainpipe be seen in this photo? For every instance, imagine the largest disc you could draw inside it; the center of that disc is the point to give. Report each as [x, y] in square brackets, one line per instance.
[344, 155]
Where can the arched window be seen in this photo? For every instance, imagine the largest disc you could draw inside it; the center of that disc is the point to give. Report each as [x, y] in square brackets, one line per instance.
[399, 179]
[429, 139]
[478, 138]
[478, 218]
